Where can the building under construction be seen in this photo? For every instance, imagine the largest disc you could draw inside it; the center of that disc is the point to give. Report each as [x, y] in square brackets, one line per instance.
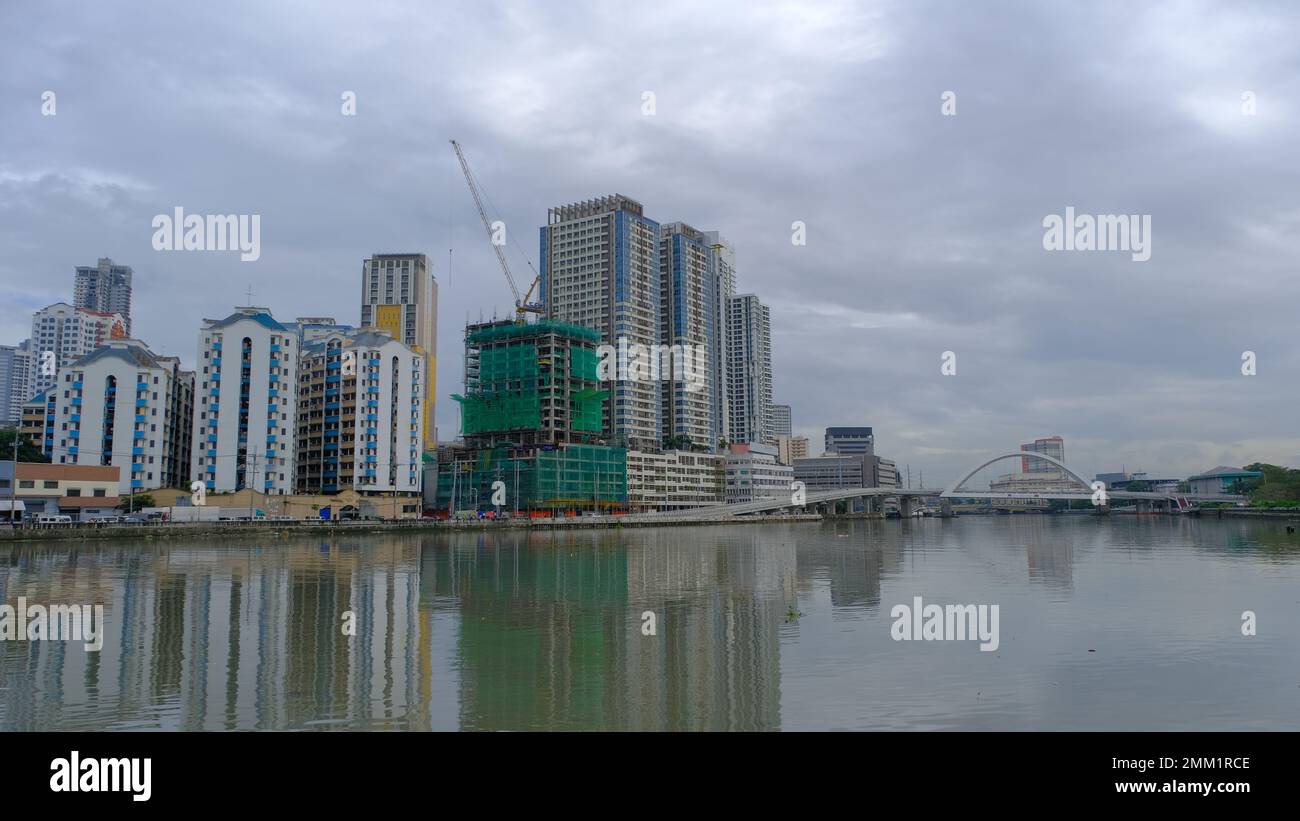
[531, 417]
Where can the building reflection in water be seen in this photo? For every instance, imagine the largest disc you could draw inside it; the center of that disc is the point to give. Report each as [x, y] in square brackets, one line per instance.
[471, 630]
[522, 631]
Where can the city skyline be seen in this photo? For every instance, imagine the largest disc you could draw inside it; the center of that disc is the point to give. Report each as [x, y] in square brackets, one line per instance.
[924, 231]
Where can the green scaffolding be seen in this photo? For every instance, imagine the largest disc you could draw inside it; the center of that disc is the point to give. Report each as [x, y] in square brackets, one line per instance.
[561, 478]
[512, 378]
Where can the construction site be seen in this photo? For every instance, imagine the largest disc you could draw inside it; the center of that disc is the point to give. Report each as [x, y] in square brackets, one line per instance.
[532, 416]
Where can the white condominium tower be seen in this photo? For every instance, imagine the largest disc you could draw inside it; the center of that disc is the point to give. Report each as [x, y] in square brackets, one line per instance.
[62, 334]
[360, 414]
[400, 295]
[749, 370]
[722, 275]
[105, 287]
[247, 371]
[124, 406]
[600, 268]
[15, 380]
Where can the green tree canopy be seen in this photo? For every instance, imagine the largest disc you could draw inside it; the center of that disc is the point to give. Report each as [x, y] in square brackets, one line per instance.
[27, 452]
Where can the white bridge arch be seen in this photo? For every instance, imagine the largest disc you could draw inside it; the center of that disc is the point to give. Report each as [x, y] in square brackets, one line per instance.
[1020, 454]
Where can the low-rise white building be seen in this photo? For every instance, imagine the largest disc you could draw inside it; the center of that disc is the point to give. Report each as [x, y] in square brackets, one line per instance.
[752, 473]
[674, 480]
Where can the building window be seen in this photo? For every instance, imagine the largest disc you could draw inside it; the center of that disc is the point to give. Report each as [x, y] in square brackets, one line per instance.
[74, 492]
[26, 483]
[48, 483]
[98, 492]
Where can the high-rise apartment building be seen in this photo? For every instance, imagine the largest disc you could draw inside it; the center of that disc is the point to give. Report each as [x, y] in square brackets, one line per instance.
[312, 328]
[782, 423]
[688, 329]
[722, 275]
[245, 406]
[15, 380]
[749, 370]
[105, 287]
[399, 295]
[600, 268]
[37, 424]
[124, 406]
[62, 334]
[360, 422]
[850, 441]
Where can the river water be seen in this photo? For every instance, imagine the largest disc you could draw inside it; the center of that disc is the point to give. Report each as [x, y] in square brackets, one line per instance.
[1120, 623]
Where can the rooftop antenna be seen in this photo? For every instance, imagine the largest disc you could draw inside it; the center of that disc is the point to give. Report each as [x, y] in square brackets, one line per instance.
[250, 294]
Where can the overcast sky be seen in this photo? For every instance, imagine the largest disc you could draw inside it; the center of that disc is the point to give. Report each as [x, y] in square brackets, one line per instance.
[924, 231]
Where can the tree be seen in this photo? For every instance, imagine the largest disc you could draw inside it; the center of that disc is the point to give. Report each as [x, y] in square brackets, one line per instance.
[27, 452]
[1278, 484]
[141, 500]
[677, 442]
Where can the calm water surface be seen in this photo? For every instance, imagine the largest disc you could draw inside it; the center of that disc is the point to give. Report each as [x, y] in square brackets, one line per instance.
[1126, 623]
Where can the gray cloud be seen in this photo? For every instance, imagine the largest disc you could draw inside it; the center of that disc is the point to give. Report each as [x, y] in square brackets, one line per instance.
[924, 231]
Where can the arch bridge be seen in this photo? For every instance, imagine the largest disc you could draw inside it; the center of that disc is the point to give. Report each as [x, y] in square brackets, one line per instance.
[818, 500]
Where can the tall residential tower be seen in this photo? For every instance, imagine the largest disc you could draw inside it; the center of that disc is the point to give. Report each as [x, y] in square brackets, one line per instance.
[749, 370]
[600, 268]
[245, 403]
[399, 295]
[105, 287]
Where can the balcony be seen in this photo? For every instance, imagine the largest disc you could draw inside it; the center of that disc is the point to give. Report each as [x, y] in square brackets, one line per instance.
[76, 417]
[76, 401]
[141, 403]
[74, 434]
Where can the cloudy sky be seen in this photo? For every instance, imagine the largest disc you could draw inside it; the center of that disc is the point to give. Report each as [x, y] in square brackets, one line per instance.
[924, 231]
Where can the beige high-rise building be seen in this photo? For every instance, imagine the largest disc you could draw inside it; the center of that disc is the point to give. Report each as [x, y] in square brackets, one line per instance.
[790, 448]
[399, 295]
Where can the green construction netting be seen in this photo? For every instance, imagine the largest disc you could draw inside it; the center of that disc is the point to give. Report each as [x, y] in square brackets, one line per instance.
[572, 476]
[500, 366]
[521, 331]
[504, 411]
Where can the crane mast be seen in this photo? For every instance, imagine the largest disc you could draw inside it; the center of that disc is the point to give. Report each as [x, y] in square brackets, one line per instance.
[523, 305]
